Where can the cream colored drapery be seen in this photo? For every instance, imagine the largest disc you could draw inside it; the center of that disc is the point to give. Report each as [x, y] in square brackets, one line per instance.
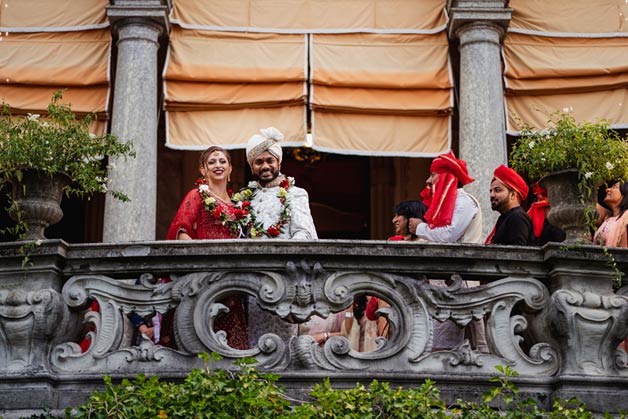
[237, 66]
[576, 61]
[52, 16]
[65, 45]
[569, 18]
[380, 94]
[311, 16]
[222, 87]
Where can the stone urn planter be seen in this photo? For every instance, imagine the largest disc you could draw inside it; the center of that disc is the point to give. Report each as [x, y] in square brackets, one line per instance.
[38, 197]
[60, 143]
[567, 211]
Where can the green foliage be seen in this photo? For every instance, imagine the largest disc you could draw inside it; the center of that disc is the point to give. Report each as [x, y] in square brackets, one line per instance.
[248, 394]
[205, 393]
[58, 143]
[379, 400]
[598, 153]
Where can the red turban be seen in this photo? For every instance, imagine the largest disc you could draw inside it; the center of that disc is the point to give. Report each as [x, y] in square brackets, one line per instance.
[450, 171]
[537, 209]
[512, 180]
[539, 192]
[449, 164]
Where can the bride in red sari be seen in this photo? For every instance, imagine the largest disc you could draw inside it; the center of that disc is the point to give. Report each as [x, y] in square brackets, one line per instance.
[201, 216]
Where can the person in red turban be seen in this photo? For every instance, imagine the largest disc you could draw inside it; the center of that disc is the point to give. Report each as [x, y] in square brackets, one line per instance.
[543, 230]
[453, 215]
[514, 226]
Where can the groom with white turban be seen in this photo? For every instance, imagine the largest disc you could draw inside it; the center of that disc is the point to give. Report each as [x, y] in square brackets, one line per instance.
[278, 208]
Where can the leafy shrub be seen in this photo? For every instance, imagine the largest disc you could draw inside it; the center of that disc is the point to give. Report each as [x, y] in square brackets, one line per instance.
[248, 394]
[205, 393]
[597, 152]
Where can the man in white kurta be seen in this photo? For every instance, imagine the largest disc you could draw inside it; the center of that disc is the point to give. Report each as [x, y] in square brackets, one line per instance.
[266, 206]
[278, 210]
[454, 216]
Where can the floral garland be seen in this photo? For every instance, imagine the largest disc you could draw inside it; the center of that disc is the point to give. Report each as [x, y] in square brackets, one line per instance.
[256, 229]
[236, 221]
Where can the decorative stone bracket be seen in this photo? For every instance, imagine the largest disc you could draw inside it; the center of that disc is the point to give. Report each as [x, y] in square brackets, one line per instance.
[30, 323]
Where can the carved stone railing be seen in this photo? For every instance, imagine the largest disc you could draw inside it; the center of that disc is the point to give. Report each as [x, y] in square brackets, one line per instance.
[551, 314]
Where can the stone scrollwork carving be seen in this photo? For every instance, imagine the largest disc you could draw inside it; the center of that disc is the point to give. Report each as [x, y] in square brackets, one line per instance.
[408, 321]
[504, 304]
[116, 299]
[592, 326]
[413, 306]
[30, 322]
[199, 296]
[295, 294]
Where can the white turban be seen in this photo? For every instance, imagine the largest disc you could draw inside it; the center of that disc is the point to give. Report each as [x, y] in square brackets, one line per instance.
[268, 141]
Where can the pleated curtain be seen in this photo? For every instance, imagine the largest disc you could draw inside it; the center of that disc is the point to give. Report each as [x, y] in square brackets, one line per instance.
[569, 57]
[365, 77]
[65, 45]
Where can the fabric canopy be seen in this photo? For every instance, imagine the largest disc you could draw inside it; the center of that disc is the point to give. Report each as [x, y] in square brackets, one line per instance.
[573, 18]
[538, 57]
[379, 80]
[65, 58]
[222, 87]
[610, 105]
[377, 94]
[575, 61]
[57, 15]
[312, 16]
[35, 65]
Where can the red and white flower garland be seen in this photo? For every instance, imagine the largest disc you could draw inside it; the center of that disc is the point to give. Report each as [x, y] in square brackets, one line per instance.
[235, 221]
[256, 229]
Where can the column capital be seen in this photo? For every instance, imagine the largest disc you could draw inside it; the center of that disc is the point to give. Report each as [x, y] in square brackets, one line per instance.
[153, 12]
[485, 12]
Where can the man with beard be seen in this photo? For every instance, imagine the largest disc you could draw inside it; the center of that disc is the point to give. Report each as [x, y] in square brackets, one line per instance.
[514, 226]
[278, 208]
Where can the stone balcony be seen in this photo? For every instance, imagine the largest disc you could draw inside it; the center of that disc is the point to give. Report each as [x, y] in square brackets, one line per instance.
[549, 313]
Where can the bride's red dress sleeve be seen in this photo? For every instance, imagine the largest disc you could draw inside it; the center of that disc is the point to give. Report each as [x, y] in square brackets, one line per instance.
[199, 224]
[187, 216]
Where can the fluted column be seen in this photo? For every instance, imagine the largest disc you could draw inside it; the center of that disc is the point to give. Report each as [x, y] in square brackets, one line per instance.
[138, 26]
[479, 27]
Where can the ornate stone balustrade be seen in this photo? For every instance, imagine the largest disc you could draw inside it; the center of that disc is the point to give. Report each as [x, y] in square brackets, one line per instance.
[551, 314]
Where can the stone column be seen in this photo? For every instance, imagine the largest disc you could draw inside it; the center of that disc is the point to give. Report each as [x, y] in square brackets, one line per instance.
[138, 26]
[479, 26]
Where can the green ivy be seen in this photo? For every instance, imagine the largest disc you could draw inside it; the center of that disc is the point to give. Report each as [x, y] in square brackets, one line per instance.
[205, 393]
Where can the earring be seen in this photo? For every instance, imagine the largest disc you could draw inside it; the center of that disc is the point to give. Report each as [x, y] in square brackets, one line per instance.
[228, 178]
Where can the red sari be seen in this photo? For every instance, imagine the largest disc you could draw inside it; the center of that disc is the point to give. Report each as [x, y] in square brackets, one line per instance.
[193, 219]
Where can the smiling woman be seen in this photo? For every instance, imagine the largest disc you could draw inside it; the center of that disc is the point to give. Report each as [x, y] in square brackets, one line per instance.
[403, 212]
[207, 212]
[612, 231]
